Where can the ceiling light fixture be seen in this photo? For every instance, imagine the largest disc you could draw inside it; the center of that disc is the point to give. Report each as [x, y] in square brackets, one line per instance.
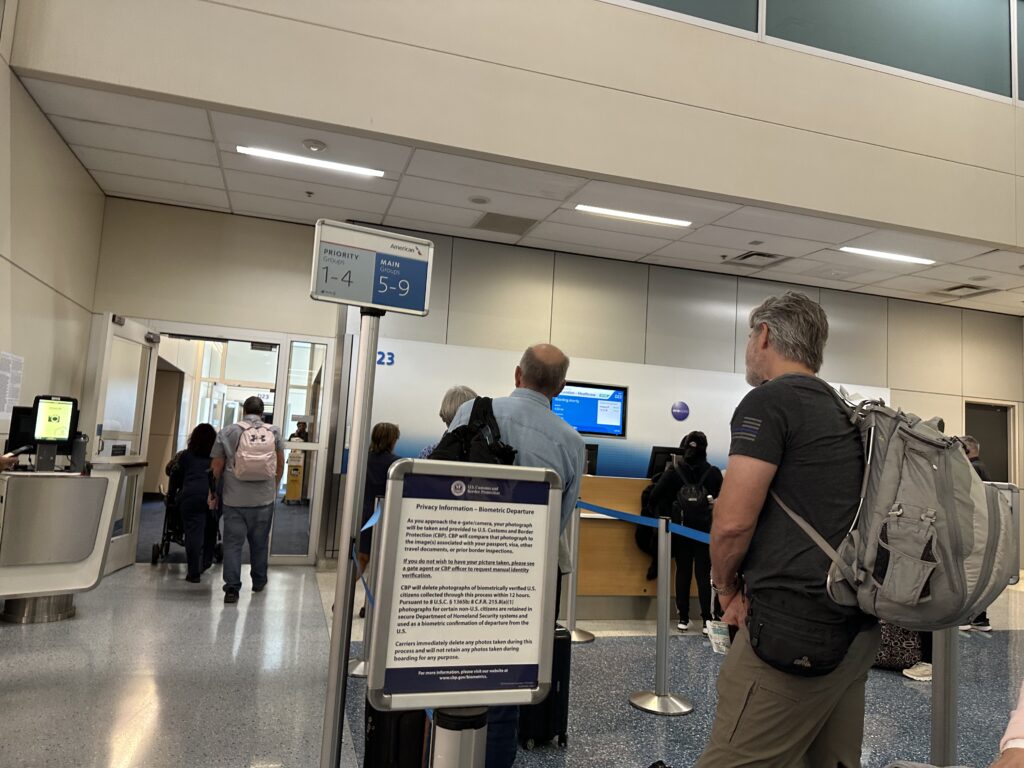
[284, 157]
[314, 145]
[886, 255]
[644, 217]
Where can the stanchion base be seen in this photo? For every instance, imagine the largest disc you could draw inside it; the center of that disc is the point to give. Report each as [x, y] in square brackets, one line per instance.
[667, 704]
[38, 610]
[580, 636]
[357, 668]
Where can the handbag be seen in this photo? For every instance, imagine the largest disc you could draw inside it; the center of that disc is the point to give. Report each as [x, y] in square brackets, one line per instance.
[900, 648]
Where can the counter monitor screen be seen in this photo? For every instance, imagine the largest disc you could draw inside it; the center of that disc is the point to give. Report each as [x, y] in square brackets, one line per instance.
[55, 418]
[593, 409]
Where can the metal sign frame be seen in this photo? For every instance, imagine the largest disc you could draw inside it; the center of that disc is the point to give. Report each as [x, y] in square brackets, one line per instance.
[389, 530]
[381, 242]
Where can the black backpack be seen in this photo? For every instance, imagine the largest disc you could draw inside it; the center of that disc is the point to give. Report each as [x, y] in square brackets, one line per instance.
[645, 537]
[694, 509]
[479, 441]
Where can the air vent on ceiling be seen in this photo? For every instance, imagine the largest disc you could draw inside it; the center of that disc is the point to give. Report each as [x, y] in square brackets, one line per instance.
[507, 225]
[963, 291]
[756, 259]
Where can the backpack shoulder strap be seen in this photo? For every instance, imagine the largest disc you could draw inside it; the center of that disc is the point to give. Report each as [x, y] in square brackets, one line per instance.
[245, 425]
[818, 539]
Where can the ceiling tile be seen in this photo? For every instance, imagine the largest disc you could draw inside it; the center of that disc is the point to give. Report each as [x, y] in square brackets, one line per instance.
[231, 160]
[745, 241]
[153, 167]
[1004, 298]
[654, 202]
[580, 219]
[614, 241]
[233, 130]
[136, 141]
[707, 254]
[1010, 262]
[586, 250]
[442, 214]
[866, 264]
[958, 273]
[294, 210]
[118, 184]
[119, 109]
[913, 284]
[847, 273]
[988, 306]
[446, 193]
[289, 189]
[446, 229]
[202, 206]
[917, 245]
[703, 266]
[490, 175]
[793, 225]
[893, 293]
[797, 279]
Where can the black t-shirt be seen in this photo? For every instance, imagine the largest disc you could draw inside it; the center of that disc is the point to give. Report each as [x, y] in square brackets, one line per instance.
[795, 423]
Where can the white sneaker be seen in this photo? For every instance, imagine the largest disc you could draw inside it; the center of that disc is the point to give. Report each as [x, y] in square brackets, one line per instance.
[682, 626]
[705, 630]
[966, 627]
[922, 672]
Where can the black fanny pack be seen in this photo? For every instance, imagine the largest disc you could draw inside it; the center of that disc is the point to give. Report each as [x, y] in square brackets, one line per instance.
[798, 642]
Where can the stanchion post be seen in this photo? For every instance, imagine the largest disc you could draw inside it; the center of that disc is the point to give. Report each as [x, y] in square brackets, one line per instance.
[578, 635]
[660, 701]
[341, 625]
[358, 667]
[458, 738]
[945, 673]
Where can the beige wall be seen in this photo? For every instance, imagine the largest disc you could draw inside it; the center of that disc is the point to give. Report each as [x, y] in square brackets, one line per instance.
[168, 263]
[760, 123]
[163, 427]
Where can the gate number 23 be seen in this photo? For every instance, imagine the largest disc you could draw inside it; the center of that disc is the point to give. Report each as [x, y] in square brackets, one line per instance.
[385, 358]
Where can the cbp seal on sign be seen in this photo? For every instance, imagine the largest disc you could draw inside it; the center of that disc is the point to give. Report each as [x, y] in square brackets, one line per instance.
[458, 488]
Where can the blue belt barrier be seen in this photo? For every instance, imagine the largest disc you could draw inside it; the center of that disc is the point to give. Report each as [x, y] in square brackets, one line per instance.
[650, 522]
[374, 519]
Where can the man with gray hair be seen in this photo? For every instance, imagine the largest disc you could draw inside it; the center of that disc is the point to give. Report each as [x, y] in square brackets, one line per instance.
[791, 690]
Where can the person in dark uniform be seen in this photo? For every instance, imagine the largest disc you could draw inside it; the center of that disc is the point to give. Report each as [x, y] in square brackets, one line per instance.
[189, 472]
[382, 455]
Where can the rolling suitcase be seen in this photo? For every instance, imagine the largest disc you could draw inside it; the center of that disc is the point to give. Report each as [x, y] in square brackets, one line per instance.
[394, 739]
[540, 723]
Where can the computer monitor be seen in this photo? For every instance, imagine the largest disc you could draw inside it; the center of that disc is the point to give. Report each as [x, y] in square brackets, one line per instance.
[23, 422]
[660, 456]
[55, 418]
[593, 409]
[592, 458]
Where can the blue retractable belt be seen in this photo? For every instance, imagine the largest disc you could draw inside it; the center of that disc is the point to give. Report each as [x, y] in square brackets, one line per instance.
[374, 519]
[650, 522]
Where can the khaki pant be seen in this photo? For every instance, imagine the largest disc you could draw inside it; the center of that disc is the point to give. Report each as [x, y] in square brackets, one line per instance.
[770, 719]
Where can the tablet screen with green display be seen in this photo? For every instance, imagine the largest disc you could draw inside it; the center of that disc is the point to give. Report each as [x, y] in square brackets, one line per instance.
[54, 419]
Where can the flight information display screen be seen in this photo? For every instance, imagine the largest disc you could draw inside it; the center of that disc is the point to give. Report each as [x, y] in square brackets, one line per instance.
[593, 409]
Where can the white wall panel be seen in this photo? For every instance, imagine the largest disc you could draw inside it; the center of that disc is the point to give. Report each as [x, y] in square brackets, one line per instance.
[599, 308]
[992, 362]
[750, 294]
[858, 341]
[926, 405]
[691, 319]
[925, 347]
[500, 295]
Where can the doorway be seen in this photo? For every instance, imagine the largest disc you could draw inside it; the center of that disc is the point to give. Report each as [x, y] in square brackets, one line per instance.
[992, 425]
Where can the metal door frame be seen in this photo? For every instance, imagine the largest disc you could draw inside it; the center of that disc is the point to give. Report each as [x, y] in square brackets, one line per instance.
[1013, 429]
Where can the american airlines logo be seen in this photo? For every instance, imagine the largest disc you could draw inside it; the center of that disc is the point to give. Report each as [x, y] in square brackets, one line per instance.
[407, 248]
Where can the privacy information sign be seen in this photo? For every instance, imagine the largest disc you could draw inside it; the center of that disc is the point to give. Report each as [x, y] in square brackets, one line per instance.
[371, 268]
[466, 587]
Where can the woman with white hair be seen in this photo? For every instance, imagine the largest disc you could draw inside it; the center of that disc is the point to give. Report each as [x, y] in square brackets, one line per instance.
[450, 404]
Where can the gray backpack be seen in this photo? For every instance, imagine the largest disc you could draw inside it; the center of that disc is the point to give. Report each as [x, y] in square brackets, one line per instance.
[931, 545]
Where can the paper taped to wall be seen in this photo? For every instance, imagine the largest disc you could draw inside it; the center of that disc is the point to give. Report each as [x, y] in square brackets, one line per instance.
[11, 367]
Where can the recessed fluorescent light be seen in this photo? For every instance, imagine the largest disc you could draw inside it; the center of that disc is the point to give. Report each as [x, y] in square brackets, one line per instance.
[886, 255]
[269, 154]
[644, 217]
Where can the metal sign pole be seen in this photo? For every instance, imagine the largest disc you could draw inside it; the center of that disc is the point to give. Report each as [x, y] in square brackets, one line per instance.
[341, 626]
[945, 672]
[578, 635]
[660, 701]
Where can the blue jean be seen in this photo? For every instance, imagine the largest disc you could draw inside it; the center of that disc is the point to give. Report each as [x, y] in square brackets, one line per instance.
[242, 524]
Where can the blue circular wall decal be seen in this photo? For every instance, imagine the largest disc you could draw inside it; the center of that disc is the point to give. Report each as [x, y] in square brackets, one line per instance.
[680, 411]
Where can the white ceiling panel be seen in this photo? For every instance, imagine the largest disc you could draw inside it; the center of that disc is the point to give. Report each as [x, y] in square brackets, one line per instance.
[654, 202]
[702, 266]
[587, 250]
[293, 210]
[793, 225]
[232, 130]
[118, 109]
[615, 241]
[447, 229]
[986, 306]
[707, 254]
[580, 219]
[794, 279]
[958, 273]
[866, 264]
[914, 284]
[154, 167]
[489, 175]
[446, 193]
[442, 214]
[289, 189]
[1010, 262]
[200, 205]
[136, 141]
[115, 183]
[894, 293]
[848, 273]
[753, 241]
[917, 245]
[231, 160]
